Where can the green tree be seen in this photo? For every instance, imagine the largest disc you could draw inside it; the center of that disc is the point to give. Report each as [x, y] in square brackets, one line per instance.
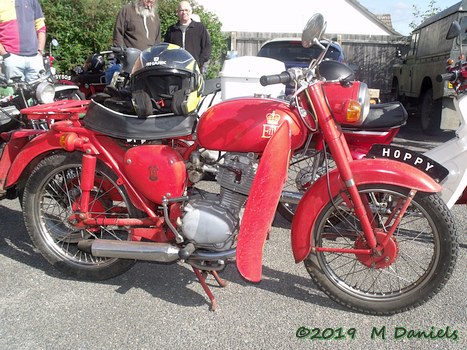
[83, 27]
[420, 15]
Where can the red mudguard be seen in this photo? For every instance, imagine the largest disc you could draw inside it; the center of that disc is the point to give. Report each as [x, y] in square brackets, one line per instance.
[262, 202]
[366, 171]
[41, 144]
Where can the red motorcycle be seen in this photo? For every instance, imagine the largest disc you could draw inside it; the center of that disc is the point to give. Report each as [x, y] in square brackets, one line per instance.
[116, 187]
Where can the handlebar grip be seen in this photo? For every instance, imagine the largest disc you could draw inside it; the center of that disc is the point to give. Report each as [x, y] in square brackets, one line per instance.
[283, 78]
[446, 76]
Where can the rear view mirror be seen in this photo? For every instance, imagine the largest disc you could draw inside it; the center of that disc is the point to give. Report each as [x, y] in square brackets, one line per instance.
[313, 30]
[454, 30]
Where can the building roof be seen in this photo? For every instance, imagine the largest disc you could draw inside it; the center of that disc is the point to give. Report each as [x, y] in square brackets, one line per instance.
[342, 16]
[382, 20]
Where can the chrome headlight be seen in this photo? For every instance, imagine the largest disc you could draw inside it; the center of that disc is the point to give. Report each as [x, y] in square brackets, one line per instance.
[45, 92]
[364, 100]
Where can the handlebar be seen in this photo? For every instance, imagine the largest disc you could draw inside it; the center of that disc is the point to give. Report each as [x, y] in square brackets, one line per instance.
[446, 76]
[284, 78]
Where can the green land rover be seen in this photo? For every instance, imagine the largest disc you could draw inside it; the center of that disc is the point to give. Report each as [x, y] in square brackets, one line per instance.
[414, 81]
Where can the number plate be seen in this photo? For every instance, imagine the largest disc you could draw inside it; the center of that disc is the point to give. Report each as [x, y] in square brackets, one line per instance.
[418, 160]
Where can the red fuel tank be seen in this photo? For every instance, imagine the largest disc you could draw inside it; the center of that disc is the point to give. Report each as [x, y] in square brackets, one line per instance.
[156, 171]
[246, 124]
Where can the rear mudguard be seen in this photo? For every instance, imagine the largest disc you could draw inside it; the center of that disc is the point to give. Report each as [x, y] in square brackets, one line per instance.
[262, 202]
[366, 171]
[41, 144]
[15, 141]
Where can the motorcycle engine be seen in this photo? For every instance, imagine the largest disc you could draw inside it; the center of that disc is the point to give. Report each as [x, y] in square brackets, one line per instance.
[212, 221]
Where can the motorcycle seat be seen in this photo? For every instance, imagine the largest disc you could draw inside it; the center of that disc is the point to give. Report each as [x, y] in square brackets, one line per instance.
[117, 122]
[382, 116]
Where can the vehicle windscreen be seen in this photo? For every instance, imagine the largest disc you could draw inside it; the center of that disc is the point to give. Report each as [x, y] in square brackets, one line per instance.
[463, 23]
[294, 51]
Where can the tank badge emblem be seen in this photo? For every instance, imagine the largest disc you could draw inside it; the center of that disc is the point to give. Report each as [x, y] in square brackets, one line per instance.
[153, 173]
[272, 123]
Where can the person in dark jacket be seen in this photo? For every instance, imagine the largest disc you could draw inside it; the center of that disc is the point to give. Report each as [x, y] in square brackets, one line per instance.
[138, 25]
[189, 34]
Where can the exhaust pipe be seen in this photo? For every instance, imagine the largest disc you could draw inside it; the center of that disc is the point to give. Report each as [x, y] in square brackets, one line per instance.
[148, 251]
[290, 197]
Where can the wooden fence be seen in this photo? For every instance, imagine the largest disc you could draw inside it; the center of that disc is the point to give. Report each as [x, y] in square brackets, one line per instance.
[372, 56]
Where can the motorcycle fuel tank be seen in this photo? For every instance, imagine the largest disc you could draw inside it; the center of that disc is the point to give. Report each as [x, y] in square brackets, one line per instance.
[156, 171]
[247, 124]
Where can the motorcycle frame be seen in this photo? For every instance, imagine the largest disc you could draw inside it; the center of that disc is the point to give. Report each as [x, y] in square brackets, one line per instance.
[70, 136]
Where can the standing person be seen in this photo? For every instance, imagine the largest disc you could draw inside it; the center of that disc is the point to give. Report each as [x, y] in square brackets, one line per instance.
[138, 25]
[22, 38]
[189, 34]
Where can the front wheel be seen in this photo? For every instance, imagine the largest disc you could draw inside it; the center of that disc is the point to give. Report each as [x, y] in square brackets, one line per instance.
[413, 267]
[50, 197]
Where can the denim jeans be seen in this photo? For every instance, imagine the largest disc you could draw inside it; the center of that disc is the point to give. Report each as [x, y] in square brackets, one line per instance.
[28, 67]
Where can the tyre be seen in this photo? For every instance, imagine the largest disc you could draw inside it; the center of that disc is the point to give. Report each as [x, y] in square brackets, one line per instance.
[49, 198]
[414, 266]
[304, 169]
[430, 114]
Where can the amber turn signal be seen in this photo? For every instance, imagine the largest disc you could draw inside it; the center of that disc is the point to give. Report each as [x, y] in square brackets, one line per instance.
[67, 141]
[354, 111]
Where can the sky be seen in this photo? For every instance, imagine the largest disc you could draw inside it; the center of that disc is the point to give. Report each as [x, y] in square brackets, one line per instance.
[402, 11]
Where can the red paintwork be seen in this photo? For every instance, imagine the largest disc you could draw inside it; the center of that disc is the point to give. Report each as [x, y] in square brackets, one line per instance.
[338, 97]
[16, 140]
[242, 125]
[59, 110]
[262, 203]
[32, 150]
[366, 171]
[155, 171]
[360, 142]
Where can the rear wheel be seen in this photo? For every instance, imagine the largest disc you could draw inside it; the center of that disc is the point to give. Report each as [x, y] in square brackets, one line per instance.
[50, 197]
[412, 268]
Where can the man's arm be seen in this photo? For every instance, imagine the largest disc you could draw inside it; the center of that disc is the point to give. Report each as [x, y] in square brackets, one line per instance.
[119, 29]
[41, 36]
[205, 54]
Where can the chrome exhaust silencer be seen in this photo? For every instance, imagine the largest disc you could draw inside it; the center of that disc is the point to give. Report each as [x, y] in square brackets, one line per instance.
[148, 251]
[290, 197]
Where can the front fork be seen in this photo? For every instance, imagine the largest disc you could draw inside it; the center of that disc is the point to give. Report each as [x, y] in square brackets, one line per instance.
[341, 153]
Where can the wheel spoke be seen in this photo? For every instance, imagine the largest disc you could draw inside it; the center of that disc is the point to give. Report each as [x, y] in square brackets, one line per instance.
[61, 194]
[407, 271]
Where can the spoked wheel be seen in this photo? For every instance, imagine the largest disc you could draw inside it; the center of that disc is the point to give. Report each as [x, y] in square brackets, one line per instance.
[304, 169]
[50, 198]
[413, 267]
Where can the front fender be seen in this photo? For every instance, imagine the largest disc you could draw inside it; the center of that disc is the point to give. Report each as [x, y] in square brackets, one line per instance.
[262, 202]
[365, 171]
[41, 144]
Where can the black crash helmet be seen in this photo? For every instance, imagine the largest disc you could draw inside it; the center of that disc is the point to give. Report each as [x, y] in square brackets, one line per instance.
[166, 78]
[94, 64]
